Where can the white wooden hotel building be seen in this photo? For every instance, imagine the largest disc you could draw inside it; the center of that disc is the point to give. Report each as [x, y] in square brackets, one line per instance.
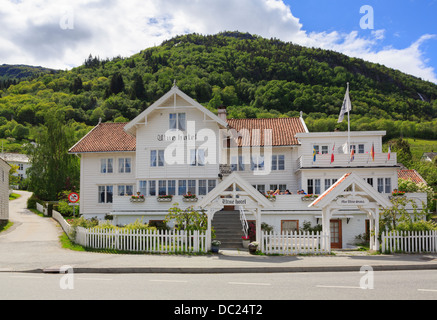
[4, 190]
[177, 146]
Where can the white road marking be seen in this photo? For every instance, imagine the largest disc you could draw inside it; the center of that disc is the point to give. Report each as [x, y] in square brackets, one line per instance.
[250, 284]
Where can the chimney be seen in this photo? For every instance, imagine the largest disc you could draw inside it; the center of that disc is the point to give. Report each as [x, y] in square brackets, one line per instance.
[222, 113]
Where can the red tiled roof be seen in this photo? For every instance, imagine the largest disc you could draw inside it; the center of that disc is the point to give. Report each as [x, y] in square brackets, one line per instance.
[106, 137]
[412, 175]
[111, 137]
[283, 130]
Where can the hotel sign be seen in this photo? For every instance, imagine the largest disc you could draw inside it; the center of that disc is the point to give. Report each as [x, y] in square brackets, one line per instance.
[353, 201]
[234, 202]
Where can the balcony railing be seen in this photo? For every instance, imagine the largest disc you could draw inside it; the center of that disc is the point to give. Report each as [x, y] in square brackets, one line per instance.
[344, 160]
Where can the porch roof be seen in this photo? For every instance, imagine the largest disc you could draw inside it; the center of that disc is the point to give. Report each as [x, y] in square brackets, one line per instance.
[245, 187]
[343, 183]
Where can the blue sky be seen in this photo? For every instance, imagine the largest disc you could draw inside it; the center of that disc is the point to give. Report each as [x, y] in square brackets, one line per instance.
[62, 33]
[404, 21]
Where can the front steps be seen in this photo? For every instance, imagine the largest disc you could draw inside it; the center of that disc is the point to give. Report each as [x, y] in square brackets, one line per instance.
[228, 229]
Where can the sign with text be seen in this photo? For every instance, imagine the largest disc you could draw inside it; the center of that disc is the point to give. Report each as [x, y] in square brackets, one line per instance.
[234, 202]
[354, 201]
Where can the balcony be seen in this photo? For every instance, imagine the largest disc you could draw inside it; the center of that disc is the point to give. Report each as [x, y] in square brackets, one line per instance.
[343, 161]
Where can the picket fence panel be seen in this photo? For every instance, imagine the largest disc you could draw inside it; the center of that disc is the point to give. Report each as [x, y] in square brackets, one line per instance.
[151, 241]
[409, 242]
[292, 243]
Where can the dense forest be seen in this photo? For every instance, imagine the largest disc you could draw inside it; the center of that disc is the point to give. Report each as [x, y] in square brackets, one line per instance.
[253, 76]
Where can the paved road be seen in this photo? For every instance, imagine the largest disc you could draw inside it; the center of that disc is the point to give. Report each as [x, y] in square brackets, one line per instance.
[397, 285]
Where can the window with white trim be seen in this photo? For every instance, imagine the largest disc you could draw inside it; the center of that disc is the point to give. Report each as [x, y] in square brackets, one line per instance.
[178, 121]
[105, 194]
[107, 165]
[124, 165]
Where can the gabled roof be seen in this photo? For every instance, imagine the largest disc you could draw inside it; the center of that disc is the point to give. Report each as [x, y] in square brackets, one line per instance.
[5, 163]
[106, 137]
[284, 131]
[344, 182]
[242, 183]
[175, 93]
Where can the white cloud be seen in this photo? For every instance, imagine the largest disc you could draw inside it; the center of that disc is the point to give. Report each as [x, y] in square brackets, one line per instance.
[32, 34]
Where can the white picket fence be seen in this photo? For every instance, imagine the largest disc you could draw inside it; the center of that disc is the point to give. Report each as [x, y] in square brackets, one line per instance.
[292, 243]
[409, 242]
[150, 241]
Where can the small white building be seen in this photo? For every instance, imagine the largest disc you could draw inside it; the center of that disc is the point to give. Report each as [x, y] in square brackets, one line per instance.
[178, 147]
[4, 190]
[20, 160]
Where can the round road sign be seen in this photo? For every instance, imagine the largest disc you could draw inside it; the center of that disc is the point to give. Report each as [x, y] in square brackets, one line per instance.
[73, 197]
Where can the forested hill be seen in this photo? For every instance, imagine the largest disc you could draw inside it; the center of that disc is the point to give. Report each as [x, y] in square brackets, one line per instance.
[12, 74]
[255, 77]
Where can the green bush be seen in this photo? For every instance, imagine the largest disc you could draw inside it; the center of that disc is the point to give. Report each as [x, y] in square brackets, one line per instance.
[31, 202]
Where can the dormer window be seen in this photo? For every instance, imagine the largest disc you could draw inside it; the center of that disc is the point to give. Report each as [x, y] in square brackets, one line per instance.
[178, 121]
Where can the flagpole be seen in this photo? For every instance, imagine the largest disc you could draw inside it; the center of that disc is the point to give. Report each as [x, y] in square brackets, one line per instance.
[348, 125]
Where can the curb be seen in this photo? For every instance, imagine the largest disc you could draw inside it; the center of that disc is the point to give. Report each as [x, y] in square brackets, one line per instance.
[228, 270]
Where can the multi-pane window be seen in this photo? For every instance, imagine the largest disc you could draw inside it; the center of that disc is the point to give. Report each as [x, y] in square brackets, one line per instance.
[380, 185]
[278, 162]
[197, 157]
[106, 194]
[162, 187]
[192, 186]
[142, 188]
[152, 188]
[171, 187]
[388, 185]
[237, 163]
[178, 121]
[125, 190]
[107, 165]
[361, 148]
[182, 184]
[157, 158]
[257, 163]
[314, 186]
[125, 165]
[202, 187]
[289, 225]
[211, 185]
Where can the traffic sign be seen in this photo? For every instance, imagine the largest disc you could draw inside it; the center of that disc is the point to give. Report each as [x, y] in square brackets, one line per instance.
[73, 197]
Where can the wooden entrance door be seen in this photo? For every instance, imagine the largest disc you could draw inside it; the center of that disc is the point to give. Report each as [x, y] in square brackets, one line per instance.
[336, 234]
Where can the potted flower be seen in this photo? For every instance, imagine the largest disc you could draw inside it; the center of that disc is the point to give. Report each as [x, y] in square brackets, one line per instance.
[189, 197]
[271, 197]
[310, 197]
[165, 198]
[215, 246]
[397, 193]
[246, 241]
[137, 198]
[253, 247]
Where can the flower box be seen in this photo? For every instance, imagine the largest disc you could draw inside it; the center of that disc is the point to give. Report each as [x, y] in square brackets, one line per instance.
[138, 198]
[190, 199]
[166, 198]
[310, 197]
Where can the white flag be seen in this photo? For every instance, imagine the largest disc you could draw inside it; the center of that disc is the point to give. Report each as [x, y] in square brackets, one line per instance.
[347, 106]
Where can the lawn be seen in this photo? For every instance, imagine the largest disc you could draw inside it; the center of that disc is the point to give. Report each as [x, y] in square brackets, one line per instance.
[419, 146]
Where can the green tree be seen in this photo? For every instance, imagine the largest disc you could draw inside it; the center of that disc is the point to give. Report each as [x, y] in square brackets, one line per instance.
[53, 169]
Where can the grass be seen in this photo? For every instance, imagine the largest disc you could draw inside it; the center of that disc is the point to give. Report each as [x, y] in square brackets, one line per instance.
[419, 146]
[14, 196]
[5, 225]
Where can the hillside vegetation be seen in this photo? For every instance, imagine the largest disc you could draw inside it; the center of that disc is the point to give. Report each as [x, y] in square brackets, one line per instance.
[255, 77]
